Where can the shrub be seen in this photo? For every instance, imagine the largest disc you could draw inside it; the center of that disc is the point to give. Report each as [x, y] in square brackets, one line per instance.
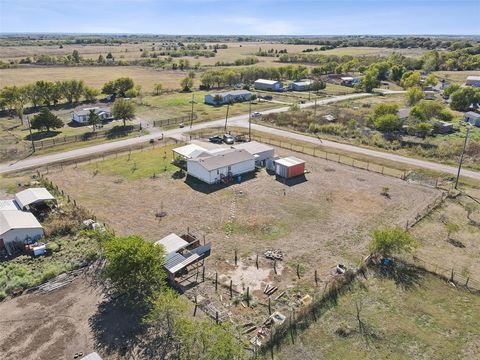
[391, 240]
[388, 122]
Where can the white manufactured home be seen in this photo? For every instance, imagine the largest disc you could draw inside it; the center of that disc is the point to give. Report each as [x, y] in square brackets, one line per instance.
[81, 116]
[228, 97]
[268, 85]
[18, 228]
[261, 152]
[221, 165]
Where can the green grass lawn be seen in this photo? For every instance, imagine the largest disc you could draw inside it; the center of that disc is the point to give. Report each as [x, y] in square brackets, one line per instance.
[430, 321]
[138, 165]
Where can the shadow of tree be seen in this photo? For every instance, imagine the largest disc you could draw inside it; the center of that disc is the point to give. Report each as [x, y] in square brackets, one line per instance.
[118, 325]
[40, 135]
[404, 275]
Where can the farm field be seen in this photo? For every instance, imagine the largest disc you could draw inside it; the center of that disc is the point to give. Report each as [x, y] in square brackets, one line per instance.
[456, 77]
[431, 320]
[94, 76]
[309, 221]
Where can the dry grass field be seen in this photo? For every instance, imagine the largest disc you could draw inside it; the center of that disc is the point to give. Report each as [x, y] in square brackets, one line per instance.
[319, 222]
[456, 77]
[430, 320]
[94, 76]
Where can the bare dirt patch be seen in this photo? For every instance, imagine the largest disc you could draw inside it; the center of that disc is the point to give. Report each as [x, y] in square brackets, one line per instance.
[49, 326]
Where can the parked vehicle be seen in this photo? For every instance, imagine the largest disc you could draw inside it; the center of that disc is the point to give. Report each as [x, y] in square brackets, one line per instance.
[240, 138]
[216, 139]
[181, 125]
[228, 139]
[256, 114]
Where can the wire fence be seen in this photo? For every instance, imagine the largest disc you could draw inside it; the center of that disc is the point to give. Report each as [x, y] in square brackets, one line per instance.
[109, 133]
[174, 121]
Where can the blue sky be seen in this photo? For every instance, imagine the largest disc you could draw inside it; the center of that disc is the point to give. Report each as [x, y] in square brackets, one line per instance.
[249, 17]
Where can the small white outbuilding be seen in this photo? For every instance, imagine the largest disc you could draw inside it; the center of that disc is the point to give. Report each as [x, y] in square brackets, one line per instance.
[18, 228]
[32, 196]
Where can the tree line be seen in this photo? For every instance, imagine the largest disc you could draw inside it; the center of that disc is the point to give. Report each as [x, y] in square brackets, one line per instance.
[45, 93]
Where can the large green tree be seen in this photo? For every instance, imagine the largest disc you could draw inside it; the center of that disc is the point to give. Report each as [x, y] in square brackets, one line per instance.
[462, 99]
[134, 266]
[413, 95]
[46, 120]
[123, 109]
[93, 119]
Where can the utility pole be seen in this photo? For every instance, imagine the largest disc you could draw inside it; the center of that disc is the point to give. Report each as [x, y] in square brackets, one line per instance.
[467, 136]
[191, 114]
[250, 121]
[31, 136]
[315, 109]
[226, 117]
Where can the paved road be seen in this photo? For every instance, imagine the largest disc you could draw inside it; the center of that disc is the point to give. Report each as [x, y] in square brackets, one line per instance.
[242, 121]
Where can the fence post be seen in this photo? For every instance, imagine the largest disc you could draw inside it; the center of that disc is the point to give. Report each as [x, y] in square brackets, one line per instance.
[231, 289]
[256, 261]
[235, 257]
[248, 296]
[451, 276]
[269, 306]
[316, 277]
[216, 281]
[298, 271]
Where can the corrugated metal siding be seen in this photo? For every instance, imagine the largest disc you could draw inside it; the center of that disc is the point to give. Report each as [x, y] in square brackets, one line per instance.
[296, 170]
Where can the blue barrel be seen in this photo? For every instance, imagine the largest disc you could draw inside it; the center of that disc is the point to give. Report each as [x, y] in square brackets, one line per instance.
[239, 179]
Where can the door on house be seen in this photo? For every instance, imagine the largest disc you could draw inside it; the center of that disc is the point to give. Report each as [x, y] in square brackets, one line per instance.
[2, 244]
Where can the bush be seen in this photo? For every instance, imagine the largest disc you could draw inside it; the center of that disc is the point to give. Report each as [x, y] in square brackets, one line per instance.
[388, 122]
[391, 240]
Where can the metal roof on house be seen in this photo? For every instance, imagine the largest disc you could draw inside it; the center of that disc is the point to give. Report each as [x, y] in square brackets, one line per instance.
[181, 265]
[232, 92]
[10, 220]
[472, 114]
[32, 196]
[8, 205]
[266, 82]
[172, 243]
[190, 151]
[86, 111]
[473, 77]
[289, 161]
[302, 83]
[222, 159]
[253, 147]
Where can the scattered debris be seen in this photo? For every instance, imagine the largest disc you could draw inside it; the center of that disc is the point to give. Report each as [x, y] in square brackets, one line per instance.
[274, 254]
[340, 269]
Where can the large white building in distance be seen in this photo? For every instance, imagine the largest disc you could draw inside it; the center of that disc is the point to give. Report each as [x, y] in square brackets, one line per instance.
[268, 85]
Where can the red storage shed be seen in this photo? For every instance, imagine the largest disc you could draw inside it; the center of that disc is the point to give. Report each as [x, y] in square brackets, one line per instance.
[289, 167]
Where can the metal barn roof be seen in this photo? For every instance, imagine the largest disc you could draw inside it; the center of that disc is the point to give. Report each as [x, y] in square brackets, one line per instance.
[232, 92]
[473, 77]
[472, 114]
[10, 220]
[32, 196]
[92, 356]
[289, 161]
[172, 243]
[267, 82]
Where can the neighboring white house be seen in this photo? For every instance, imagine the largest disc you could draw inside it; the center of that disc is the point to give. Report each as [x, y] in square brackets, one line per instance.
[221, 165]
[81, 116]
[32, 196]
[473, 81]
[8, 205]
[268, 85]
[17, 228]
[300, 85]
[472, 118]
[349, 80]
[227, 97]
[260, 152]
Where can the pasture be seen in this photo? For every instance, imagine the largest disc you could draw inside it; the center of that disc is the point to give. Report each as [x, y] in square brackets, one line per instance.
[94, 76]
